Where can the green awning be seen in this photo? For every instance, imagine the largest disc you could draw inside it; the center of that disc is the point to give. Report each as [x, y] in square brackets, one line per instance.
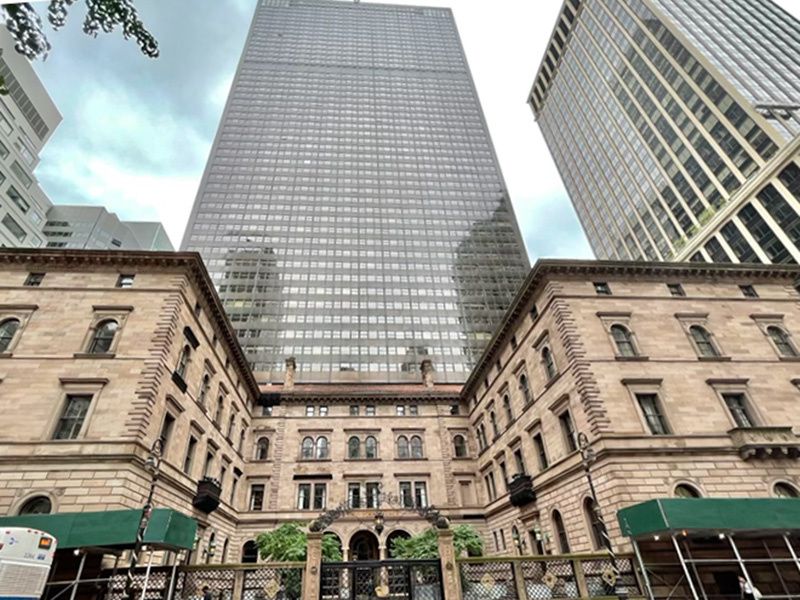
[168, 529]
[710, 515]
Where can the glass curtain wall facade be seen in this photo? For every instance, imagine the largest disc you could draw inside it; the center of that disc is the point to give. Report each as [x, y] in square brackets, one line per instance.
[353, 213]
[668, 133]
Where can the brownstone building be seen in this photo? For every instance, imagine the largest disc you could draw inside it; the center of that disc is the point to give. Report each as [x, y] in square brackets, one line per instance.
[683, 378]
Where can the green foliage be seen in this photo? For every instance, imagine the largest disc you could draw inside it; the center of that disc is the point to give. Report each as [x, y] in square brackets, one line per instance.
[289, 542]
[426, 545]
[25, 25]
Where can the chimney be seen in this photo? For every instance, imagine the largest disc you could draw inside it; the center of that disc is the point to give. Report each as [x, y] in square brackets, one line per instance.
[426, 366]
[288, 377]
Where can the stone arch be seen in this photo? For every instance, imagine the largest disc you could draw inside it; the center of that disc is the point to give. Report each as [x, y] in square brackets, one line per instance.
[396, 534]
[34, 503]
[364, 545]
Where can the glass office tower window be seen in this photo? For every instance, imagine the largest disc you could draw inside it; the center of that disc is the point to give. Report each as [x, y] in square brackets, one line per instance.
[657, 113]
[352, 213]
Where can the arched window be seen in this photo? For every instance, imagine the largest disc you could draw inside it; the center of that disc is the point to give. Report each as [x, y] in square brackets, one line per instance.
[205, 386]
[402, 447]
[526, 389]
[262, 448]
[702, 340]
[782, 342]
[460, 446]
[307, 449]
[322, 447]
[250, 552]
[354, 447]
[103, 337]
[561, 533]
[624, 340]
[38, 505]
[507, 408]
[371, 447]
[183, 360]
[416, 447]
[549, 363]
[241, 436]
[785, 490]
[224, 556]
[493, 420]
[594, 522]
[684, 490]
[212, 544]
[8, 329]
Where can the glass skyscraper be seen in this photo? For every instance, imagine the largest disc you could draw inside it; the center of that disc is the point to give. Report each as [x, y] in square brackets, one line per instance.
[352, 213]
[674, 125]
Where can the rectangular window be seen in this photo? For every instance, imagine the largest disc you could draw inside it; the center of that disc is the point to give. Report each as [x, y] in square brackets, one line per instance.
[323, 411]
[354, 411]
[234, 485]
[568, 430]
[602, 288]
[651, 409]
[189, 459]
[209, 464]
[72, 417]
[257, 496]
[413, 410]
[737, 405]
[519, 461]
[17, 169]
[514, 342]
[34, 279]
[534, 312]
[266, 411]
[373, 494]
[17, 199]
[492, 486]
[304, 496]
[354, 495]
[454, 409]
[748, 291]
[309, 411]
[541, 452]
[320, 496]
[676, 289]
[369, 411]
[400, 410]
[406, 498]
[14, 227]
[125, 281]
[504, 474]
[166, 431]
[420, 494]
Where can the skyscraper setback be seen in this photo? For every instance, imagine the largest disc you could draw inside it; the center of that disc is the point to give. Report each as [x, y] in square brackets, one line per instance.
[675, 126]
[352, 212]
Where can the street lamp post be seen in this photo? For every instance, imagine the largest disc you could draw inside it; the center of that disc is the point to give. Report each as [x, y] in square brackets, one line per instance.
[152, 465]
[588, 457]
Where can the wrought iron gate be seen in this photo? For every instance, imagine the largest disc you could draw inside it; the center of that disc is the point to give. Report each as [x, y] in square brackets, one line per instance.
[375, 580]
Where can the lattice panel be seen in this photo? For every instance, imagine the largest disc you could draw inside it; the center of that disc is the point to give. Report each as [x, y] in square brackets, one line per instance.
[488, 581]
[114, 588]
[425, 582]
[596, 569]
[549, 579]
[273, 583]
[219, 582]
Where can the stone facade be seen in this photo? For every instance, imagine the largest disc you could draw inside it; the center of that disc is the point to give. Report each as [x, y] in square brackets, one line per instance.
[289, 452]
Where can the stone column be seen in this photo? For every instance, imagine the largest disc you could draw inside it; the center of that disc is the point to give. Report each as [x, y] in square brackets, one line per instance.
[313, 575]
[451, 577]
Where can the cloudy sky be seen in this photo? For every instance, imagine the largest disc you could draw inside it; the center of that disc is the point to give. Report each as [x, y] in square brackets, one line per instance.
[137, 131]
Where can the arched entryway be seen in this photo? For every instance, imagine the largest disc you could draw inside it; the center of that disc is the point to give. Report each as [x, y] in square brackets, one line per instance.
[364, 546]
[338, 540]
[398, 534]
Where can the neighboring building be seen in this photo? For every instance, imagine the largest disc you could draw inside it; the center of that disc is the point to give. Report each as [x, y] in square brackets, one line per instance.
[683, 377]
[676, 127]
[94, 228]
[28, 118]
[354, 154]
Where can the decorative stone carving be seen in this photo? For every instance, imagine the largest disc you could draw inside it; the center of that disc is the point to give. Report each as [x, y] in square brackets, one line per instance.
[288, 377]
[426, 367]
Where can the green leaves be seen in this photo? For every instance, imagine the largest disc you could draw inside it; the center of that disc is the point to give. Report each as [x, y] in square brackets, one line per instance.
[25, 25]
[289, 543]
[426, 545]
